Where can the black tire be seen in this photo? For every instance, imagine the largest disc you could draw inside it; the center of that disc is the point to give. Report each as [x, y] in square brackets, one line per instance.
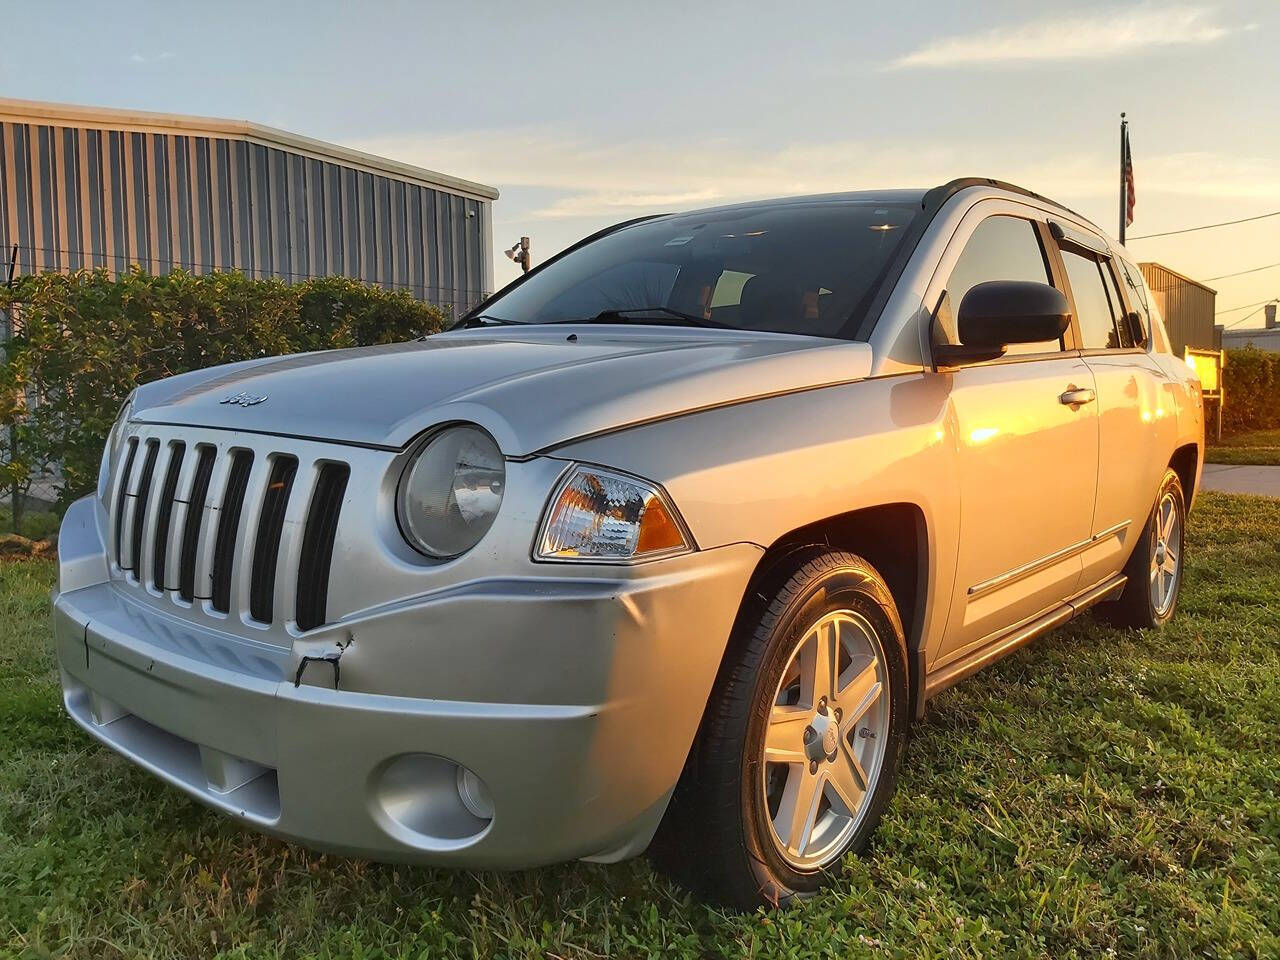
[715, 837]
[1136, 607]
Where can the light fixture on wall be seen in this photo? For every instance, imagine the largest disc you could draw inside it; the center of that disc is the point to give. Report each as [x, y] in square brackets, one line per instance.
[519, 253]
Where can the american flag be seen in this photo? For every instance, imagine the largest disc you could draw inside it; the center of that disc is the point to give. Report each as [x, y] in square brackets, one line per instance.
[1128, 180]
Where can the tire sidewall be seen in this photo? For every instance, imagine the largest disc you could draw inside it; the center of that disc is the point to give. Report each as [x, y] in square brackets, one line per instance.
[845, 587]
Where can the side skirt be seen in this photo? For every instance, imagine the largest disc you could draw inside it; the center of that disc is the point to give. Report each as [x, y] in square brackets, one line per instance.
[1002, 646]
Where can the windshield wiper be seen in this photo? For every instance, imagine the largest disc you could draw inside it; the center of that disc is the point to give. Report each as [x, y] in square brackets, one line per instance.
[666, 316]
[484, 320]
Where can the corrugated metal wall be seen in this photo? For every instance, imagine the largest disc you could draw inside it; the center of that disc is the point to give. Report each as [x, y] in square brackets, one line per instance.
[1187, 307]
[1261, 339]
[73, 197]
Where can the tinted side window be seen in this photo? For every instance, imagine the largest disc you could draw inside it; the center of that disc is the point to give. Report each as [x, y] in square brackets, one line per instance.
[1002, 248]
[1117, 302]
[1093, 308]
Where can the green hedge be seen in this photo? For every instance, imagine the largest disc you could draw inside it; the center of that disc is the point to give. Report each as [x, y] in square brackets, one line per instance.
[1252, 382]
[82, 341]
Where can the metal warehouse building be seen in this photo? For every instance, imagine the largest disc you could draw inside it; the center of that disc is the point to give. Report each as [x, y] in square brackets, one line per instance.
[1186, 305]
[86, 187]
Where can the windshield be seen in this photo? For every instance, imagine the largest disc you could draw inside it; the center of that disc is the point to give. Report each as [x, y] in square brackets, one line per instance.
[802, 267]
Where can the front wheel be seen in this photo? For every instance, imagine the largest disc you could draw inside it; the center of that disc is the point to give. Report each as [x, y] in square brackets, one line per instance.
[802, 738]
[1154, 569]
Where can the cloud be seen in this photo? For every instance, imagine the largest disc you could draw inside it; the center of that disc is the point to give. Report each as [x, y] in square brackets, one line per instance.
[152, 58]
[562, 177]
[1098, 36]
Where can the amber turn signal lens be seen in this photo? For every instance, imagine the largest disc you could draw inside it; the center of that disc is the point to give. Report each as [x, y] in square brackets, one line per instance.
[658, 532]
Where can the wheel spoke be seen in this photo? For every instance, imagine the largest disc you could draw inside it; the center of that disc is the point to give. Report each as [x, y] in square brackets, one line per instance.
[817, 664]
[1166, 519]
[848, 780]
[784, 736]
[860, 694]
[798, 810]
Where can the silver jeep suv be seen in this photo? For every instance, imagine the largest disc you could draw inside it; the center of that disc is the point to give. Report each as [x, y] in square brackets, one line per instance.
[675, 535]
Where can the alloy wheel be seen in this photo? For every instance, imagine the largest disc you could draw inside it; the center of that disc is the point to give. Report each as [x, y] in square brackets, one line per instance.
[1165, 554]
[825, 739]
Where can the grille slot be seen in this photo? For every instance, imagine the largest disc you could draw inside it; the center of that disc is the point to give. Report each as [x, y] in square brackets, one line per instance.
[191, 529]
[317, 544]
[122, 491]
[228, 526]
[140, 507]
[164, 516]
[266, 549]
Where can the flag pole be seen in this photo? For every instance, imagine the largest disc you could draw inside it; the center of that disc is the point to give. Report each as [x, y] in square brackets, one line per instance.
[1124, 187]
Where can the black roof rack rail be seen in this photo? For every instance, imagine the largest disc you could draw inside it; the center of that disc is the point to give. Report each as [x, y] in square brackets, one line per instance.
[944, 192]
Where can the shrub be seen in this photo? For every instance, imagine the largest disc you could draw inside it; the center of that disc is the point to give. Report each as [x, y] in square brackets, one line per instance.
[82, 341]
[1252, 382]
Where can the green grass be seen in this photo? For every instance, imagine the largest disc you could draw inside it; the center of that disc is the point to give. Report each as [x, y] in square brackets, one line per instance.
[1256, 446]
[1100, 793]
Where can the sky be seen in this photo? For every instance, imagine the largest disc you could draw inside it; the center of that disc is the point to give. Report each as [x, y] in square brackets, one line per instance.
[584, 114]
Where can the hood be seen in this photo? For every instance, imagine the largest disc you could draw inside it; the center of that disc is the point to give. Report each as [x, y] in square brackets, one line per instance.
[532, 387]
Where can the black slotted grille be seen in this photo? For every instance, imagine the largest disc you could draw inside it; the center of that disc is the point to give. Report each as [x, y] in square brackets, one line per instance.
[122, 492]
[191, 529]
[164, 515]
[236, 530]
[228, 526]
[266, 549]
[317, 545]
[140, 507]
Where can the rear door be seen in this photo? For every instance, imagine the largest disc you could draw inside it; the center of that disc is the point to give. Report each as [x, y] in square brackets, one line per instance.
[1026, 460]
[1136, 427]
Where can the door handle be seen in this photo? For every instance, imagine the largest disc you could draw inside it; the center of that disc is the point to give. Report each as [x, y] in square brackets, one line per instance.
[1075, 396]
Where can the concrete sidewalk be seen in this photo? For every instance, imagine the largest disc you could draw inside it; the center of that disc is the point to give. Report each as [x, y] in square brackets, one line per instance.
[1242, 478]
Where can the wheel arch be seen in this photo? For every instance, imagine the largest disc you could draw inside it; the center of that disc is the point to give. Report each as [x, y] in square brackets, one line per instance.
[893, 538]
[1185, 462]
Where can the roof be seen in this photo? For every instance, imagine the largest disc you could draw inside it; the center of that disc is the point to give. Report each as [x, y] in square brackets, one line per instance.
[142, 121]
[1185, 279]
[934, 196]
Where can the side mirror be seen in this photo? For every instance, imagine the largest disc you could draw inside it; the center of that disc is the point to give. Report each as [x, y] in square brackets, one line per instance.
[997, 313]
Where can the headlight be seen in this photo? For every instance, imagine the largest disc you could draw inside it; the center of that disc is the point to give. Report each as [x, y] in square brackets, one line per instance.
[450, 492]
[599, 515]
[110, 452]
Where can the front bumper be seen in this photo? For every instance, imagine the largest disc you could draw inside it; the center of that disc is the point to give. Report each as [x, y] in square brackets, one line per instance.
[572, 694]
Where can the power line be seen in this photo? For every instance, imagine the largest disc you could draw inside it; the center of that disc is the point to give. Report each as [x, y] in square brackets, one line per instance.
[1234, 323]
[1244, 306]
[1207, 226]
[1241, 273]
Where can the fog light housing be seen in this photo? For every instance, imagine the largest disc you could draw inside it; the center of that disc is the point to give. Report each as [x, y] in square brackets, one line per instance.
[474, 794]
[431, 802]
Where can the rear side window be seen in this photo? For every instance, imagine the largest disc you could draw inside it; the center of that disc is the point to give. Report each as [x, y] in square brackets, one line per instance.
[1001, 248]
[1093, 305]
[1117, 302]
